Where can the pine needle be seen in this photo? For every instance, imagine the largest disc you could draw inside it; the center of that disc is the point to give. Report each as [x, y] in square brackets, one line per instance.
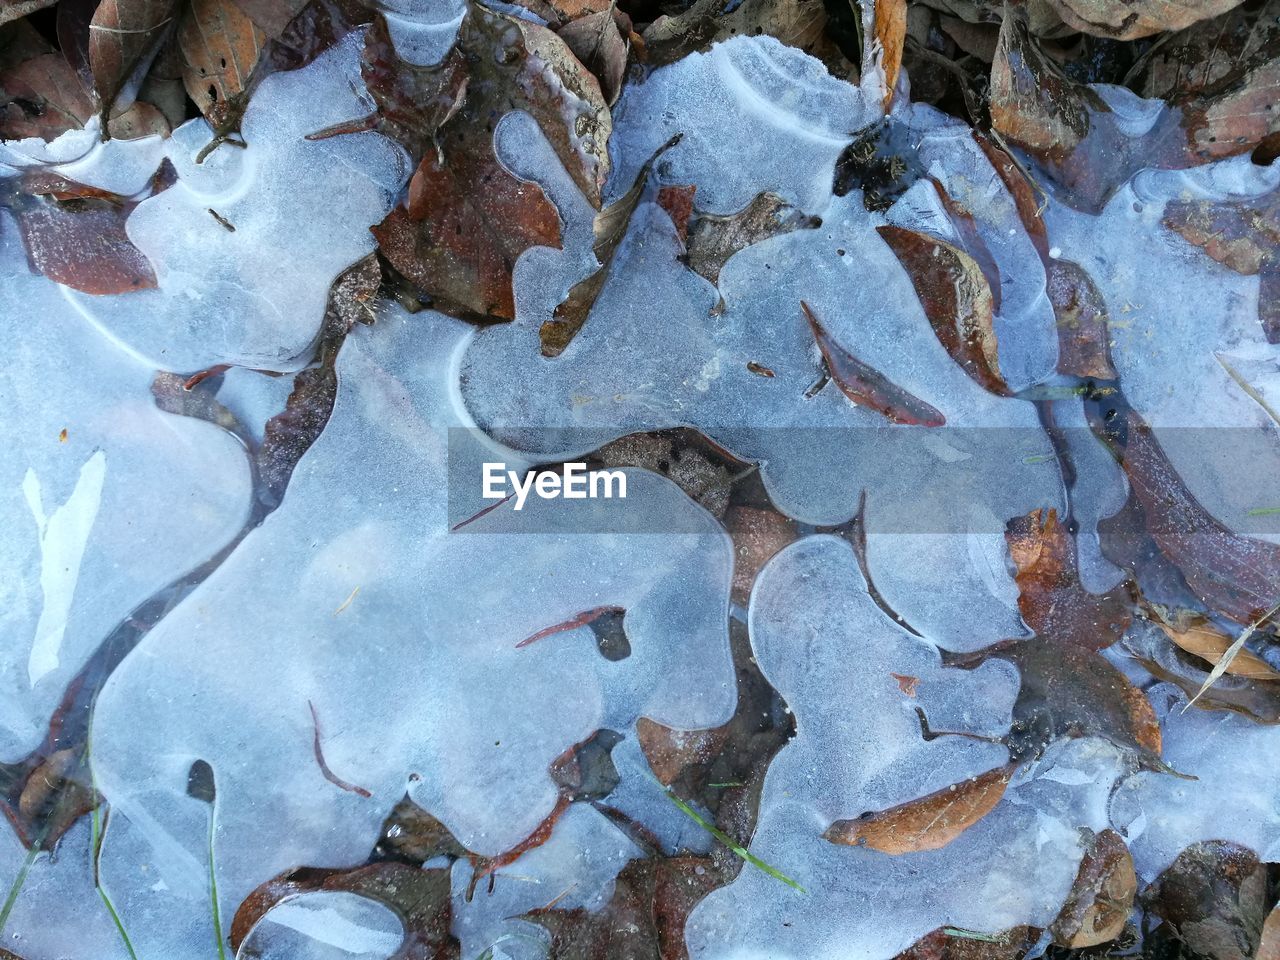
[732, 844]
[1221, 666]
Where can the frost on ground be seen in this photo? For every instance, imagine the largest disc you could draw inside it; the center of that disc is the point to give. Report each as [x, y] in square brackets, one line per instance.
[950, 455]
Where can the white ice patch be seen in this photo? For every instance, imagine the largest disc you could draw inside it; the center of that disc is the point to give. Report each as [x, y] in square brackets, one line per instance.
[301, 209]
[96, 523]
[325, 925]
[420, 674]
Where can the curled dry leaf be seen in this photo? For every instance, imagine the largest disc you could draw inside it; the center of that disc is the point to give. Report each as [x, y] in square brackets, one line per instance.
[1101, 898]
[273, 16]
[1081, 315]
[599, 41]
[1214, 54]
[957, 299]
[1269, 941]
[608, 228]
[929, 823]
[222, 47]
[867, 386]
[123, 36]
[1202, 639]
[1050, 597]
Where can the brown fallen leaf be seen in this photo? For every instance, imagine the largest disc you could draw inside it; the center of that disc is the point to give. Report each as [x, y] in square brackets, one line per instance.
[222, 47]
[413, 102]
[81, 242]
[1050, 597]
[946, 943]
[1101, 898]
[608, 229]
[467, 223]
[600, 43]
[513, 64]
[678, 203]
[757, 535]
[1234, 575]
[123, 35]
[1213, 901]
[1212, 55]
[1202, 639]
[796, 23]
[712, 239]
[671, 751]
[272, 16]
[1242, 235]
[645, 917]
[928, 823]
[42, 96]
[1134, 19]
[1081, 315]
[868, 387]
[957, 299]
[890, 22]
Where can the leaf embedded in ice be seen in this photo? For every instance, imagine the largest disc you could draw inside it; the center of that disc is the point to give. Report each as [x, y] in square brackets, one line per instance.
[123, 36]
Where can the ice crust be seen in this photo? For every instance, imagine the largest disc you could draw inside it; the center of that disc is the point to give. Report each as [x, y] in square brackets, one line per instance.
[831, 653]
[435, 622]
[301, 209]
[129, 502]
[686, 365]
[353, 624]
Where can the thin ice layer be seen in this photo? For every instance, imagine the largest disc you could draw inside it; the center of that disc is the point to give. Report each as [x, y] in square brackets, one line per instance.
[1235, 794]
[832, 655]
[1185, 337]
[300, 208]
[104, 499]
[352, 645]
[936, 493]
[57, 913]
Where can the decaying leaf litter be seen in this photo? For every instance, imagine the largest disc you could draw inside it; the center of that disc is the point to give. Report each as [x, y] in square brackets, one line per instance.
[938, 341]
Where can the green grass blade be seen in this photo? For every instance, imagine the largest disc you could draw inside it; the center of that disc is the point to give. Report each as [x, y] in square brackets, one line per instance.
[213, 892]
[969, 935]
[732, 844]
[16, 888]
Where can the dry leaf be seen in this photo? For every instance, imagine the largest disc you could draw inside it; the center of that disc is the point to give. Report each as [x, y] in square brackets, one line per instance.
[1202, 639]
[957, 299]
[222, 47]
[1050, 597]
[13, 9]
[124, 35]
[1081, 315]
[867, 386]
[600, 43]
[713, 239]
[890, 34]
[929, 823]
[1133, 19]
[1102, 896]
